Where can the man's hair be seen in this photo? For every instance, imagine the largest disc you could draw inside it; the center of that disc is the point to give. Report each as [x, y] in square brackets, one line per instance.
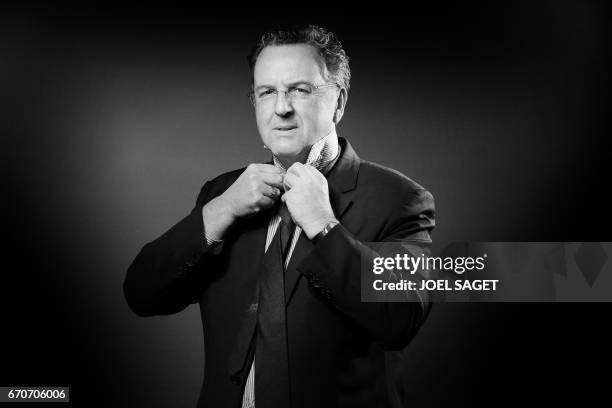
[326, 43]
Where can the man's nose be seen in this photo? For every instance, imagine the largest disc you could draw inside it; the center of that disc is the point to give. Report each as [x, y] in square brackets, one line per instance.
[283, 105]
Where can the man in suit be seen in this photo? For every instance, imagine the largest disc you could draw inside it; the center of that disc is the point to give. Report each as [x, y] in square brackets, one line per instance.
[272, 252]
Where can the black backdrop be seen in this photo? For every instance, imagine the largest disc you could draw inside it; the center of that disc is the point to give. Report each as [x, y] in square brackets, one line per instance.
[112, 119]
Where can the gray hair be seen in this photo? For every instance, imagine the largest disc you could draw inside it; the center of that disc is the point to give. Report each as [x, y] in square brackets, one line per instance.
[328, 45]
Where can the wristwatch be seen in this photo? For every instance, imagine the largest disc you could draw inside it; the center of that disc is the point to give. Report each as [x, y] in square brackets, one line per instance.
[328, 227]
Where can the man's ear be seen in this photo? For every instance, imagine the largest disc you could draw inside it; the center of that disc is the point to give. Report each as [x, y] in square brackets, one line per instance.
[340, 104]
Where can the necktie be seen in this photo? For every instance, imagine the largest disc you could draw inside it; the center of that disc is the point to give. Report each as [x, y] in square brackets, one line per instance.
[263, 330]
[271, 354]
[286, 229]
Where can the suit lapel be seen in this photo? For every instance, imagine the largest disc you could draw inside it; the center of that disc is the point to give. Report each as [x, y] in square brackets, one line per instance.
[341, 180]
[256, 236]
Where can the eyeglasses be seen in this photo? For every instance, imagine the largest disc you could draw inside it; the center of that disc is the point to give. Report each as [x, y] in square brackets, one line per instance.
[303, 91]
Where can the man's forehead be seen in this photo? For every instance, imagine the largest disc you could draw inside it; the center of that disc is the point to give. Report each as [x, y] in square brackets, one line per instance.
[289, 63]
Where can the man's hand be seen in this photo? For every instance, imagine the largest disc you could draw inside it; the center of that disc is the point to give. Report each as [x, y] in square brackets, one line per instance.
[257, 188]
[307, 198]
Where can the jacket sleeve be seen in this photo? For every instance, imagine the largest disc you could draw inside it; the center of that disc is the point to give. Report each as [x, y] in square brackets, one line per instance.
[333, 270]
[169, 273]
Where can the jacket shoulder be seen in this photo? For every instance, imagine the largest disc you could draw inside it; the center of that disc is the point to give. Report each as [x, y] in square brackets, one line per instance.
[226, 179]
[387, 179]
[217, 186]
[405, 207]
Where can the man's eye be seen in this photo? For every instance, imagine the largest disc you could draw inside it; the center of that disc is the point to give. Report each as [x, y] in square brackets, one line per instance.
[299, 91]
[265, 92]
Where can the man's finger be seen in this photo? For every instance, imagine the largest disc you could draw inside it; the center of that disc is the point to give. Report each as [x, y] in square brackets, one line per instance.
[271, 192]
[266, 202]
[311, 169]
[289, 181]
[296, 168]
[274, 180]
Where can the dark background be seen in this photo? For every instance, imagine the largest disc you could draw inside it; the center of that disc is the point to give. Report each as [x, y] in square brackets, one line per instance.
[112, 119]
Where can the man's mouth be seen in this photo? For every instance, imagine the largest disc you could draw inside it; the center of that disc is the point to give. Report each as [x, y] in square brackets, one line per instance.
[285, 127]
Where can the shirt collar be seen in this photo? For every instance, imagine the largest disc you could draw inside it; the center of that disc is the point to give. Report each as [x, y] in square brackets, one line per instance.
[322, 155]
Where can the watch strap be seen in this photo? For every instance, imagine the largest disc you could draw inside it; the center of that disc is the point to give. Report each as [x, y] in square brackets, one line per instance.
[328, 227]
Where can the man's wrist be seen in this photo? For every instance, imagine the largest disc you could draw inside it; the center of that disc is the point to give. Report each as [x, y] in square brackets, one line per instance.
[217, 219]
[321, 229]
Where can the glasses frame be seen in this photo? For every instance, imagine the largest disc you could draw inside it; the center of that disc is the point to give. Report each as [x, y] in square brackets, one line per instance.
[315, 88]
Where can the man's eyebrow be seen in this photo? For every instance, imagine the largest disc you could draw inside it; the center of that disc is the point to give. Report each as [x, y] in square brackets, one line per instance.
[262, 87]
[301, 82]
[289, 85]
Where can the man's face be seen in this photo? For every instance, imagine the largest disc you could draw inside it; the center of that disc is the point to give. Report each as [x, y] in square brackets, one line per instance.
[290, 127]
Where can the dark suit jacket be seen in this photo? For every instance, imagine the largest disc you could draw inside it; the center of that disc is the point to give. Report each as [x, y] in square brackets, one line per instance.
[337, 344]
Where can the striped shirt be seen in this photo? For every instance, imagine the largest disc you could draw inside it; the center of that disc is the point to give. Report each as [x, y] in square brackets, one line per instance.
[323, 155]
